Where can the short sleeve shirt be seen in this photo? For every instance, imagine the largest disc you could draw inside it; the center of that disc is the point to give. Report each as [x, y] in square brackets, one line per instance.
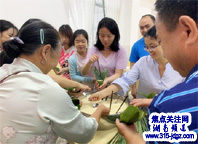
[137, 51]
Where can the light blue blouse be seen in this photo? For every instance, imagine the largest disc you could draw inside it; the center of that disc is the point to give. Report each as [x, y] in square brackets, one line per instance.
[146, 70]
[75, 74]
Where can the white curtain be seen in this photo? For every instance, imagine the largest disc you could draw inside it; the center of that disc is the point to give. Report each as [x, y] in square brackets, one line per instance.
[112, 9]
[121, 12]
[81, 14]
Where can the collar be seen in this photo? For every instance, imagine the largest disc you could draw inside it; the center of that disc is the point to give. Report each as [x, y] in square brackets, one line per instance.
[26, 65]
[192, 73]
[18, 65]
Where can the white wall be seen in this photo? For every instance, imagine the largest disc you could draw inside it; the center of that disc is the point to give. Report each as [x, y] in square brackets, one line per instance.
[139, 8]
[18, 11]
[54, 12]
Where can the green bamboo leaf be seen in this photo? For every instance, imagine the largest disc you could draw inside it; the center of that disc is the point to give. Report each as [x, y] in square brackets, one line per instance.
[141, 125]
[131, 115]
[104, 74]
[114, 137]
[57, 69]
[143, 94]
[100, 82]
[97, 74]
[70, 89]
[149, 96]
[123, 141]
[112, 118]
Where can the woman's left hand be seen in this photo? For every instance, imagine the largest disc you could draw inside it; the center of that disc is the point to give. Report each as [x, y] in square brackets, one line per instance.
[104, 84]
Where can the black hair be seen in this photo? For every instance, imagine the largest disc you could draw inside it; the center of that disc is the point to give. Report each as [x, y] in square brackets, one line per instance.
[112, 26]
[30, 21]
[169, 11]
[79, 32]
[66, 30]
[30, 35]
[151, 33]
[149, 15]
[5, 25]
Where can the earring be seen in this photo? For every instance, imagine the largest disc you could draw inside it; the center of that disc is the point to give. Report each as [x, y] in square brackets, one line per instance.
[44, 60]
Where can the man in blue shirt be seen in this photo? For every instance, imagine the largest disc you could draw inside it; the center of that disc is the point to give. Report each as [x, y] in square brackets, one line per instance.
[137, 50]
[177, 30]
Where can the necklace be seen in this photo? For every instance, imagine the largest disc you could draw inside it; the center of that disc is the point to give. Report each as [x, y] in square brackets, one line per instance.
[108, 49]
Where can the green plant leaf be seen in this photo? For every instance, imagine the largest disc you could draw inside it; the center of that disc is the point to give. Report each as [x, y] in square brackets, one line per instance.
[97, 74]
[141, 123]
[112, 118]
[70, 89]
[104, 74]
[131, 115]
[100, 82]
[57, 69]
[149, 96]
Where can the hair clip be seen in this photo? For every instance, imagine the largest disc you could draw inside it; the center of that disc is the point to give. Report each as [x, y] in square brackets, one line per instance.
[42, 36]
[18, 40]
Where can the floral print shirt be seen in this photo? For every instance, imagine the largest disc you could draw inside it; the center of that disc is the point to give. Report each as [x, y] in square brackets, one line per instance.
[35, 110]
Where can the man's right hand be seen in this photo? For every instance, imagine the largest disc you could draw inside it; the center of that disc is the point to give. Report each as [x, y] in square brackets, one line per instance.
[130, 133]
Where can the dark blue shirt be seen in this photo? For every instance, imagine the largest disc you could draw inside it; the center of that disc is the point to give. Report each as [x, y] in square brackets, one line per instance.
[179, 99]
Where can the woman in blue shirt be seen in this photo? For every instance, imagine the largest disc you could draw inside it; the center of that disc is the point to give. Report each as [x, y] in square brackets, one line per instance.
[76, 61]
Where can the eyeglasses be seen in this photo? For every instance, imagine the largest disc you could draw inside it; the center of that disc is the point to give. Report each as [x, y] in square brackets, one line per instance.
[152, 48]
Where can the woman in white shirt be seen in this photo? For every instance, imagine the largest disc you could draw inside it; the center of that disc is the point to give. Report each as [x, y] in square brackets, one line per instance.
[153, 71]
[34, 108]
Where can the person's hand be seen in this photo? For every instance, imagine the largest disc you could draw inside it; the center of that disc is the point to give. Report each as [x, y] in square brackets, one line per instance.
[94, 80]
[93, 58]
[130, 133]
[141, 102]
[104, 84]
[83, 87]
[97, 85]
[76, 94]
[61, 71]
[105, 111]
[100, 111]
[95, 96]
[124, 129]
[56, 71]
